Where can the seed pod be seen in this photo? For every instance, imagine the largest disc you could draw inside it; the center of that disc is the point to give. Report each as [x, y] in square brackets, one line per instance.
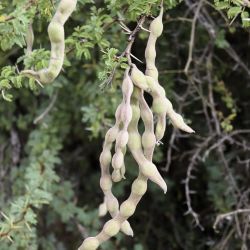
[103, 209]
[122, 139]
[126, 228]
[124, 116]
[90, 243]
[127, 208]
[105, 183]
[105, 157]
[111, 228]
[139, 107]
[120, 136]
[139, 187]
[56, 35]
[156, 26]
[178, 122]
[136, 147]
[148, 137]
[111, 134]
[134, 141]
[148, 140]
[162, 107]
[138, 78]
[29, 39]
[116, 175]
[118, 160]
[112, 204]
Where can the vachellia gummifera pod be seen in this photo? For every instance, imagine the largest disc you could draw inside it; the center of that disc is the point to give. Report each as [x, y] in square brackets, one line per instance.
[125, 133]
[56, 36]
[139, 186]
[161, 105]
[118, 134]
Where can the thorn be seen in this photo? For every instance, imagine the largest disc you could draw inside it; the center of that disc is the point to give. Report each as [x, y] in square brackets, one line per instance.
[158, 143]
[136, 58]
[125, 28]
[192, 192]
[10, 239]
[142, 28]
[39, 83]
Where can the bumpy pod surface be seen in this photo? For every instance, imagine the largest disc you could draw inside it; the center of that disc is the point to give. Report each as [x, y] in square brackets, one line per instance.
[141, 147]
[148, 137]
[110, 201]
[90, 244]
[135, 145]
[122, 137]
[161, 105]
[56, 36]
[138, 78]
[156, 28]
[123, 117]
[29, 39]
[139, 186]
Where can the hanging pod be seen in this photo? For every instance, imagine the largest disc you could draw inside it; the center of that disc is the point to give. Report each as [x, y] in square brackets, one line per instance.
[56, 36]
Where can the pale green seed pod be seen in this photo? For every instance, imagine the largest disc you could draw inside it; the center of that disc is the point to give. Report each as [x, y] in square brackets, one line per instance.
[119, 134]
[56, 32]
[90, 243]
[117, 175]
[123, 171]
[105, 183]
[152, 72]
[122, 139]
[126, 115]
[127, 208]
[111, 228]
[150, 171]
[160, 127]
[138, 78]
[126, 228]
[178, 122]
[56, 35]
[156, 26]
[150, 52]
[148, 137]
[135, 146]
[148, 140]
[134, 141]
[103, 209]
[29, 39]
[111, 134]
[118, 160]
[105, 157]
[127, 87]
[112, 204]
[161, 105]
[139, 187]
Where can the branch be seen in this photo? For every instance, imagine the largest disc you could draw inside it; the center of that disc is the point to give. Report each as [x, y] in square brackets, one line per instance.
[225, 215]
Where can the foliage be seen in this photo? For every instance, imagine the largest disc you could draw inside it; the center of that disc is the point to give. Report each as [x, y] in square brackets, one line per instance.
[234, 9]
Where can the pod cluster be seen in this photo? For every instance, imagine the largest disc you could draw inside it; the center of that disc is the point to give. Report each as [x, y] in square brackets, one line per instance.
[57, 40]
[125, 133]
